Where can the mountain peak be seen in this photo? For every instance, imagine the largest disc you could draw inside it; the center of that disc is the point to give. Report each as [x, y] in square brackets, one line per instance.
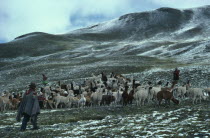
[29, 34]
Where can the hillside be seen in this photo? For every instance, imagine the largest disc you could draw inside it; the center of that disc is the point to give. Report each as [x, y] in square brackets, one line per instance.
[144, 44]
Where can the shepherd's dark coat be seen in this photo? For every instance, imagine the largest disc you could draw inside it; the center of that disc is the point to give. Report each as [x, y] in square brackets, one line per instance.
[29, 106]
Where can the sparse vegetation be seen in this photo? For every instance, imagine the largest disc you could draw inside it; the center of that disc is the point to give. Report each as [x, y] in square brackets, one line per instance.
[185, 119]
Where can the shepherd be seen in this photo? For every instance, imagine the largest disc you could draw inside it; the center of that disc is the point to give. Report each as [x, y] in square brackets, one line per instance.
[176, 75]
[44, 79]
[29, 108]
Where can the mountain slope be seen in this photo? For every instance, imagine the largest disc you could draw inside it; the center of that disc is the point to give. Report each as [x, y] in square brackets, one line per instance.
[160, 22]
[36, 44]
[142, 43]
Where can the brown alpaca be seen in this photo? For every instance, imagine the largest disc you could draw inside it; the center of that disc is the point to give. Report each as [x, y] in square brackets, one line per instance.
[15, 102]
[88, 100]
[167, 95]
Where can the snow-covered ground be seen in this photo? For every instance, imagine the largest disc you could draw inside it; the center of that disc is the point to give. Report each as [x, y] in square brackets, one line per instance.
[174, 121]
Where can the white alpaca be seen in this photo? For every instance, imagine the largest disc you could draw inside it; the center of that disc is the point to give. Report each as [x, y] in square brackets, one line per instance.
[208, 91]
[96, 78]
[180, 92]
[73, 101]
[62, 99]
[196, 94]
[141, 96]
[47, 89]
[118, 96]
[112, 83]
[5, 102]
[96, 98]
[82, 101]
[153, 93]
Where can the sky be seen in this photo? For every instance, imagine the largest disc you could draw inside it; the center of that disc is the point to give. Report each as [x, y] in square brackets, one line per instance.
[18, 17]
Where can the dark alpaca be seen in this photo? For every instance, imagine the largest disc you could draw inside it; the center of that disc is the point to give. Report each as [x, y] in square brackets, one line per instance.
[107, 99]
[76, 92]
[167, 95]
[130, 97]
[125, 96]
[103, 77]
[92, 89]
[41, 100]
[63, 86]
[42, 89]
[159, 83]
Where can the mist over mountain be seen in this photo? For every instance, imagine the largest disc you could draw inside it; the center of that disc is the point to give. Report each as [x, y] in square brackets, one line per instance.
[145, 44]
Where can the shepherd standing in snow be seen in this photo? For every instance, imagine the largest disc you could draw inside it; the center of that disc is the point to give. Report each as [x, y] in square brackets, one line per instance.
[44, 79]
[176, 75]
[29, 108]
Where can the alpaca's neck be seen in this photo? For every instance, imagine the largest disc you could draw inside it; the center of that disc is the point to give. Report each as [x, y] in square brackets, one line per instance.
[173, 84]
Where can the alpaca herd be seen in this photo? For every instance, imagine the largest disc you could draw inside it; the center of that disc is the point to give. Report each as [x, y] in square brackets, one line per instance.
[105, 89]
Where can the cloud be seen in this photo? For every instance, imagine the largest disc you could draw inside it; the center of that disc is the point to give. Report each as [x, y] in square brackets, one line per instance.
[18, 17]
[181, 3]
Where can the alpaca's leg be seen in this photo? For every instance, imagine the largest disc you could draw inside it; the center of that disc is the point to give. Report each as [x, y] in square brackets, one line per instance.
[51, 106]
[79, 104]
[200, 99]
[83, 104]
[193, 100]
[136, 102]
[56, 105]
[98, 103]
[140, 102]
[5, 106]
[160, 102]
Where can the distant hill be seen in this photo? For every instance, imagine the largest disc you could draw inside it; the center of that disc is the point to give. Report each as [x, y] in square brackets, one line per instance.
[136, 42]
